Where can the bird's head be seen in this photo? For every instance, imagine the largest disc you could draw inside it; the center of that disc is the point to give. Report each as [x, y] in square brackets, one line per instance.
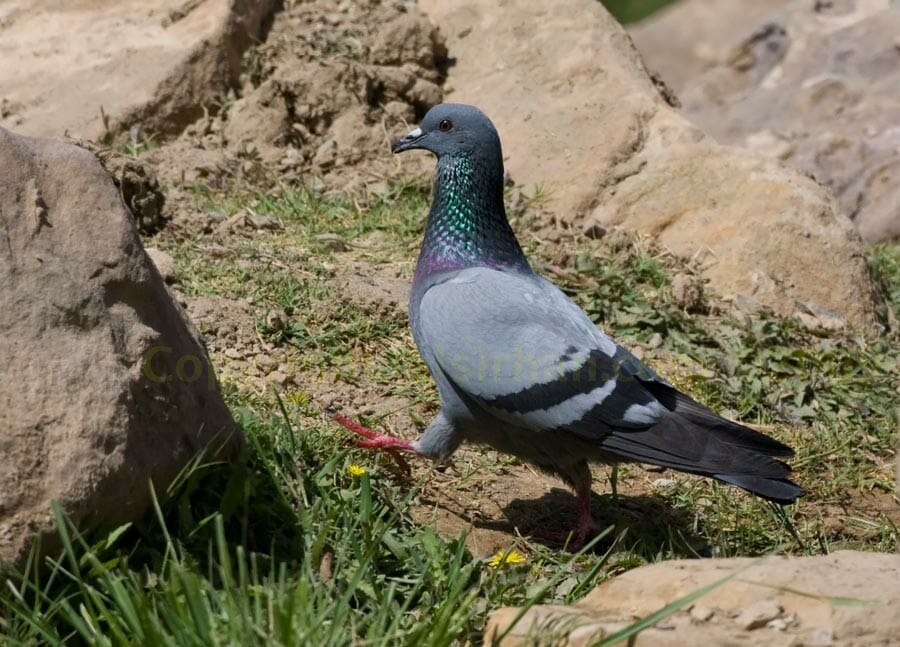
[451, 129]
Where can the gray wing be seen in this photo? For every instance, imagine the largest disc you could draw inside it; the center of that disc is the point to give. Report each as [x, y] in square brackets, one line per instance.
[523, 351]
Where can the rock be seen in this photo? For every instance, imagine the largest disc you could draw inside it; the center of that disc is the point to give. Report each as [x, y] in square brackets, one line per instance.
[814, 84]
[164, 263]
[105, 385]
[688, 293]
[581, 117]
[777, 624]
[691, 36]
[332, 241]
[277, 320]
[325, 153]
[260, 221]
[593, 229]
[846, 598]
[121, 64]
[818, 318]
[701, 613]
[758, 614]
[233, 223]
[278, 378]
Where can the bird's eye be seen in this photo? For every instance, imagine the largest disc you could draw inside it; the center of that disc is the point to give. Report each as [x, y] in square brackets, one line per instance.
[445, 125]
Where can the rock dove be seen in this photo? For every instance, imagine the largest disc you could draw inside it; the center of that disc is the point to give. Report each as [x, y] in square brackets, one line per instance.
[520, 367]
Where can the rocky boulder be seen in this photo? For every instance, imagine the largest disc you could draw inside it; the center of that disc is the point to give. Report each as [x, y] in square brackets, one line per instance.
[580, 117]
[96, 66]
[846, 598]
[690, 36]
[814, 84]
[105, 387]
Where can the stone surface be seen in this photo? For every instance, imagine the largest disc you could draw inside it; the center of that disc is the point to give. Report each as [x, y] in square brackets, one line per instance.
[105, 386]
[163, 262]
[580, 117]
[155, 66]
[690, 36]
[811, 83]
[846, 598]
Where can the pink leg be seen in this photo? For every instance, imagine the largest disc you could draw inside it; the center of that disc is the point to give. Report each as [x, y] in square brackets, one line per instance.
[575, 537]
[585, 526]
[374, 440]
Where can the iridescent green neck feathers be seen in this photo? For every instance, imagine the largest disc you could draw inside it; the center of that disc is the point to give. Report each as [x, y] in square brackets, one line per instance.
[467, 225]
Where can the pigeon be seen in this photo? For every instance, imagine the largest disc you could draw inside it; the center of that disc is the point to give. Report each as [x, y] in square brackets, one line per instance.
[520, 367]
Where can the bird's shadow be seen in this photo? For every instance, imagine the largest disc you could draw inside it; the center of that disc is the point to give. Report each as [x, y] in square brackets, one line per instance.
[645, 525]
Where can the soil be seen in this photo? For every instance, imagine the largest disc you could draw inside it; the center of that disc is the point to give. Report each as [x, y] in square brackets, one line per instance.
[318, 102]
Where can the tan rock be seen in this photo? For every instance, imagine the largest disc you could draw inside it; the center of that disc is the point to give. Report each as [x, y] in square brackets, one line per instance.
[152, 65]
[690, 36]
[846, 598]
[163, 262]
[105, 386]
[580, 117]
[815, 85]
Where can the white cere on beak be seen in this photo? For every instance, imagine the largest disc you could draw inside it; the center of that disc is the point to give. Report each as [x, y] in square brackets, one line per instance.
[414, 133]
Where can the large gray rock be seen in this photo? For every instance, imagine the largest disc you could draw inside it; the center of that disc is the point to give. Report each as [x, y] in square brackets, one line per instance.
[815, 84]
[579, 116]
[690, 36]
[93, 66]
[105, 386]
[846, 598]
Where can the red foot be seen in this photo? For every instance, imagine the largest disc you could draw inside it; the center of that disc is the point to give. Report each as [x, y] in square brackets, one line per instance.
[374, 440]
[575, 538]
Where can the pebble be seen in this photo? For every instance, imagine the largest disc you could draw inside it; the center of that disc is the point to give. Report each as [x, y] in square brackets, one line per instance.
[819, 638]
[758, 614]
[260, 221]
[276, 319]
[778, 624]
[593, 230]
[234, 222]
[333, 242]
[266, 363]
[698, 612]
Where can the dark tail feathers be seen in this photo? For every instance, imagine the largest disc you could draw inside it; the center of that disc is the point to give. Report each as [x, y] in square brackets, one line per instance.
[783, 491]
[725, 451]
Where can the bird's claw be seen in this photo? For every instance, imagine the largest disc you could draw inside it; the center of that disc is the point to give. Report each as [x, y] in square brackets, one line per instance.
[374, 440]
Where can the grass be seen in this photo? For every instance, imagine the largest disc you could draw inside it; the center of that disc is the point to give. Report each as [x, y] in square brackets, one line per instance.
[312, 542]
[628, 11]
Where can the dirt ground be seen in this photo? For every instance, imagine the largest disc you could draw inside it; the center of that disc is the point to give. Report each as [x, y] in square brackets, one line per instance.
[319, 102]
[493, 497]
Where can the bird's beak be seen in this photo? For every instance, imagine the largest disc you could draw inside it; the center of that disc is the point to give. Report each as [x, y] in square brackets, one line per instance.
[408, 142]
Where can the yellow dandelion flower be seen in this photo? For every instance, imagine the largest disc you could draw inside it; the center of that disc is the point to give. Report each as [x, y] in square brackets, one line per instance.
[502, 558]
[356, 470]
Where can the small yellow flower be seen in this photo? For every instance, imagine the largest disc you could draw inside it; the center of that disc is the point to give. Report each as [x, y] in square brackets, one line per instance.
[502, 558]
[356, 470]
